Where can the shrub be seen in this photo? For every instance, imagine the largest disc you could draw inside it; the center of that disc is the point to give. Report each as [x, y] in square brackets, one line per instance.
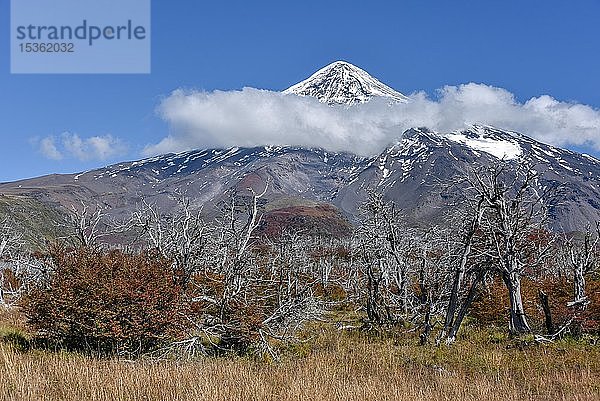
[105, 302]
[590, 318]
[491, 306]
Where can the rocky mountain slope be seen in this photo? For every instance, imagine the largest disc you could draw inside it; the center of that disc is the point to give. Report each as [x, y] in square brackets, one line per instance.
[415, 171]
[299, 181]
[322, 189]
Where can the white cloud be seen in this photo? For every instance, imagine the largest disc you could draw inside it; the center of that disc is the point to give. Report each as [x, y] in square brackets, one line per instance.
[84, 149]
[48, 148]
[253, 117]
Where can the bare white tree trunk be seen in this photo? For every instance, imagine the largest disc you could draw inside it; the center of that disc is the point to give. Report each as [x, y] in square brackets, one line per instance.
[451, 320]
[515, 216]
[583, 256]
[518, 321]
[11, 253]
[464, 308]
[578, 283]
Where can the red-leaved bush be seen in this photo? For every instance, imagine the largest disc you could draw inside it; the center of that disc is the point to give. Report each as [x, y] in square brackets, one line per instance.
[491, 306]
[105, 301]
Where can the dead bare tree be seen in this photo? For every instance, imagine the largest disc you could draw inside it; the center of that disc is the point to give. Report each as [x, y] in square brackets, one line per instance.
[235, 239]
[18, 266]
[583, 254]
[180, 236]
[514, 221]
[384, 247]
[292, 279]
[11, 244]
[85, 225]
[463, 266]
[435, 253]
[229, 292]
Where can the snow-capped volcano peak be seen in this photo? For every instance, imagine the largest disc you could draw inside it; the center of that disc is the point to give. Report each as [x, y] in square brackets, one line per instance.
[343, 83]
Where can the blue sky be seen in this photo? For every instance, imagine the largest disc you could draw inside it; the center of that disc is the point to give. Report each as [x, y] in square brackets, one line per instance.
[529, 48]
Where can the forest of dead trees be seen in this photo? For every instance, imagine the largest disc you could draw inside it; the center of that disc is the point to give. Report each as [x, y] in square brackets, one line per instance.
[186, 284]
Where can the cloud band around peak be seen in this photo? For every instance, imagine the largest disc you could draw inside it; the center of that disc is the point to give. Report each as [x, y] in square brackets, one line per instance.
[253, 117]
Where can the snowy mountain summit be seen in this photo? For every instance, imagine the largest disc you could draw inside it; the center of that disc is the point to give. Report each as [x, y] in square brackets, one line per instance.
[343, 83]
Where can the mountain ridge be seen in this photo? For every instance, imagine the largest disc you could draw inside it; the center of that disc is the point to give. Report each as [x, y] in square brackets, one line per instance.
[319, 184]
[408, 172]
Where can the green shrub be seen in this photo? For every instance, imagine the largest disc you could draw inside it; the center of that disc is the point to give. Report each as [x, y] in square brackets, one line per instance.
[15, 339]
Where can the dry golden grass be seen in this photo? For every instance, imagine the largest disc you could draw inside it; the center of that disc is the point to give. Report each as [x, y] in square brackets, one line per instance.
[334, 366]
[12, 318]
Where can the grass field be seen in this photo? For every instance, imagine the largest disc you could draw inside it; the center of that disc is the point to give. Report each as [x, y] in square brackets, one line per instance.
[332, 365]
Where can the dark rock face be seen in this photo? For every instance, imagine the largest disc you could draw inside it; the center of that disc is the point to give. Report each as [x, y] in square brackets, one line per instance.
[322, 189]
[418, 171]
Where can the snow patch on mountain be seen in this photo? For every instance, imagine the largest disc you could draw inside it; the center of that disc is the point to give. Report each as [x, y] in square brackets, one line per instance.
[482, 139]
